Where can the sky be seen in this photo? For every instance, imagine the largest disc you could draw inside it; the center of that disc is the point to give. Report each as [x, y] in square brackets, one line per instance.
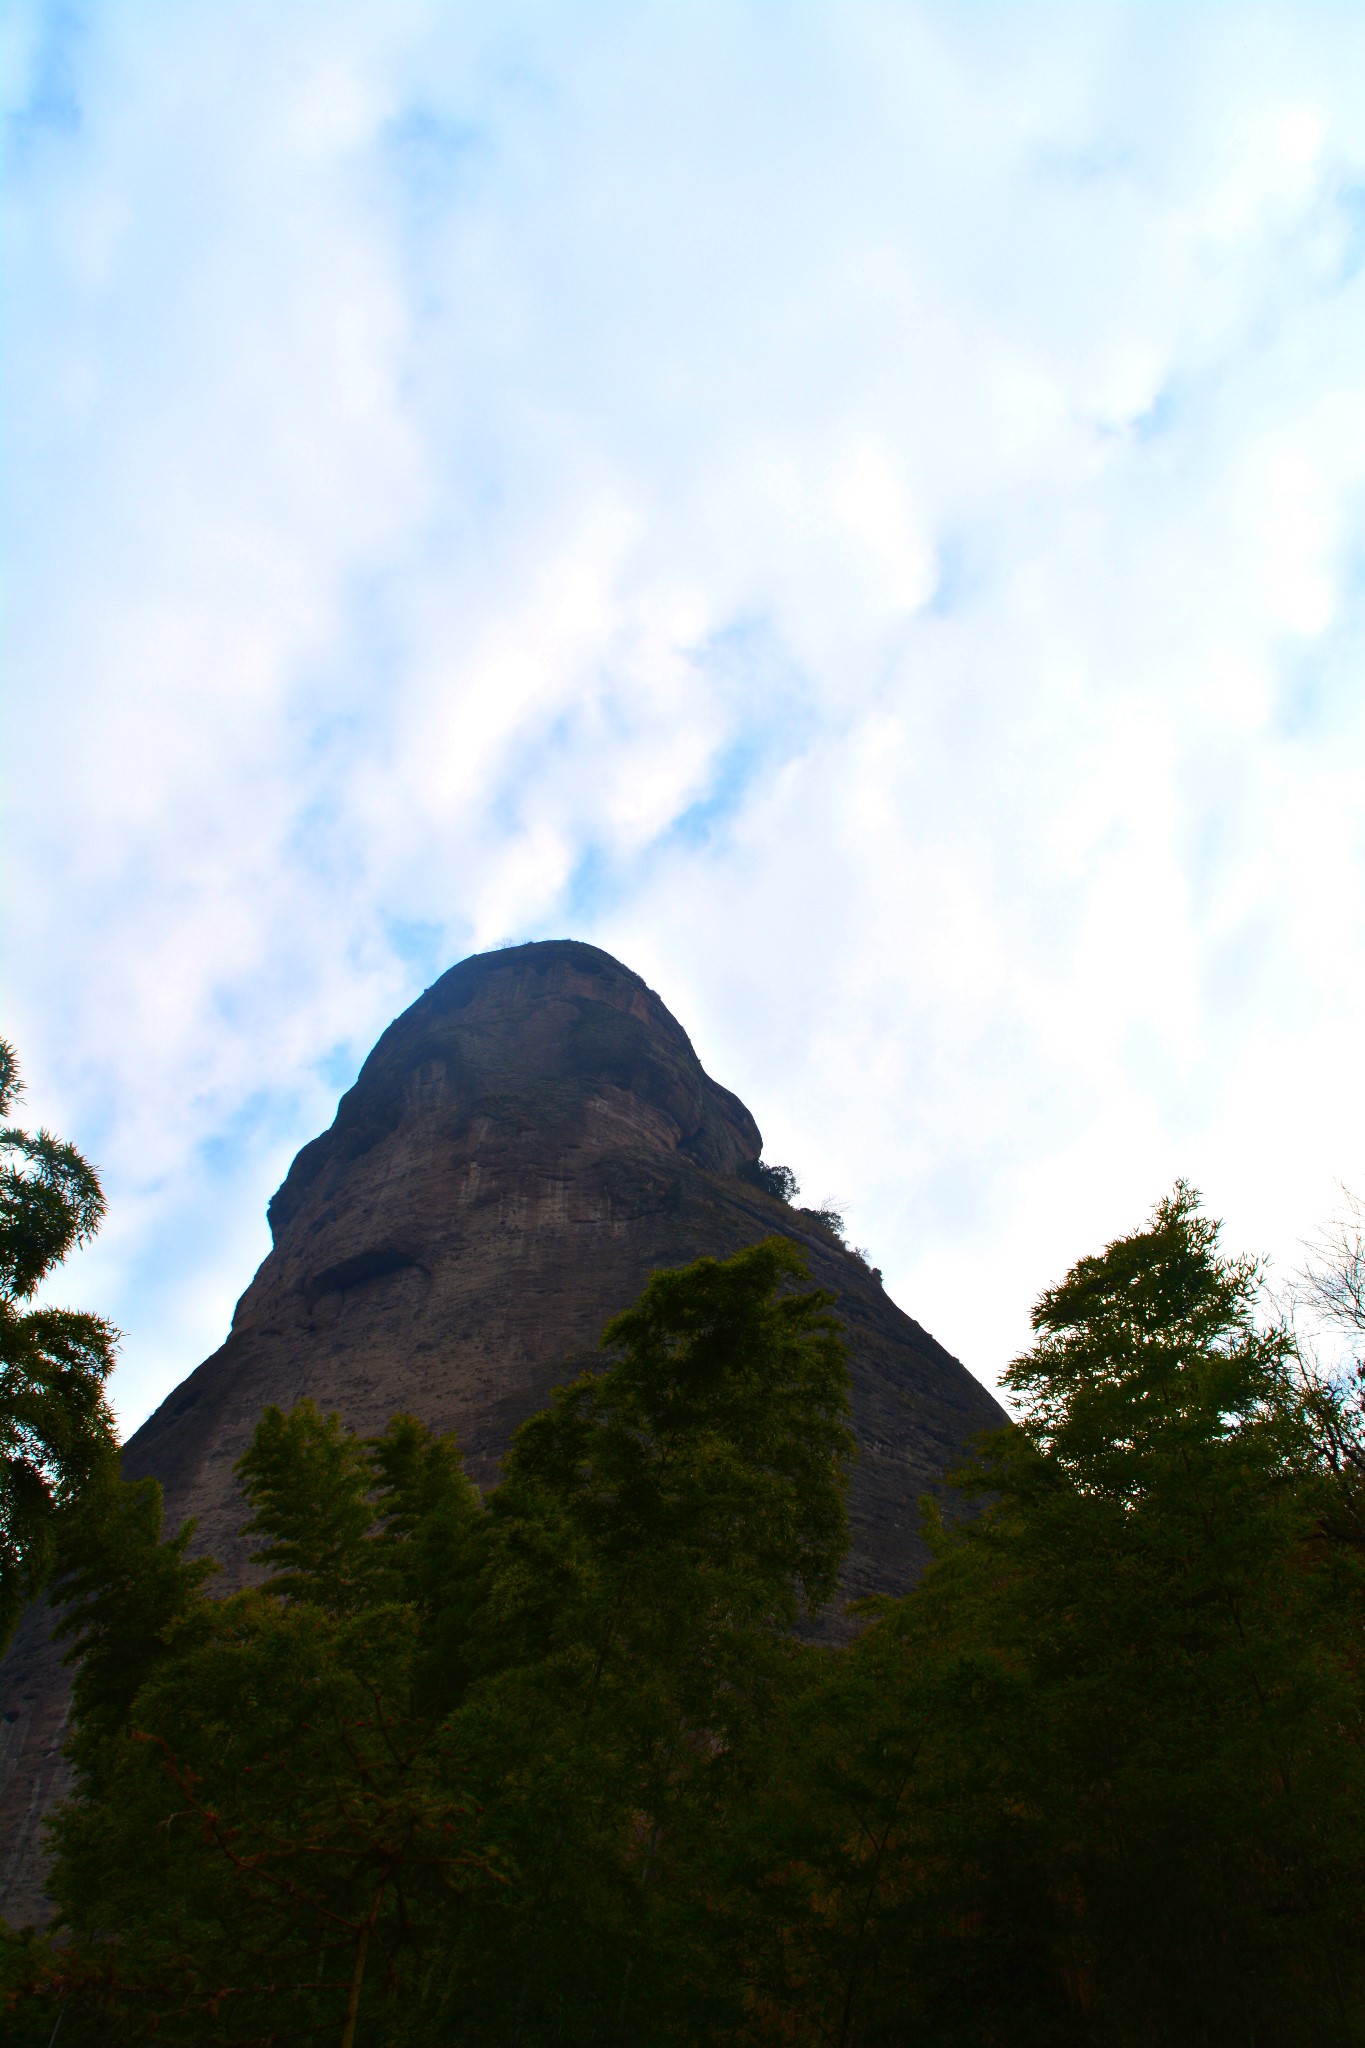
[858, 509]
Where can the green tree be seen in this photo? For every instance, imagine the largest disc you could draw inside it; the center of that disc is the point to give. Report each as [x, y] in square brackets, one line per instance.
[56, 1431]
[309, 1819]
[454, 1768]
[657, 1533]
[1098, 1778]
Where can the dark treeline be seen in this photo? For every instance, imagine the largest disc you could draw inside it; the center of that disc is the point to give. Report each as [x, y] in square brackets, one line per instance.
[555, 1766]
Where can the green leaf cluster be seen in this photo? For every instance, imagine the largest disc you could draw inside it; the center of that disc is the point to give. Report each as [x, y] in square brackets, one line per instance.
[56, 1432]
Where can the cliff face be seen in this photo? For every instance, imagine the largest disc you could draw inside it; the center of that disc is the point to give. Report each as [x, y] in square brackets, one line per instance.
[523, 1147]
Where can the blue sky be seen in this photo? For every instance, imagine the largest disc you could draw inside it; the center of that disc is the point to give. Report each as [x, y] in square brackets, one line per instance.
[858, 509]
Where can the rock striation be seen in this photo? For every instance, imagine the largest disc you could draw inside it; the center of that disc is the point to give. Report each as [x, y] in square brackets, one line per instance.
[524, 1146]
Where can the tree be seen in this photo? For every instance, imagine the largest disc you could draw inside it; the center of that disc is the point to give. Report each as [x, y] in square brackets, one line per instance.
[1334, 1275]
[1195, 1647]
[1331, 1290]
[1099, 1777]
[778, 1181]
[659, 1529]
[56, 1431]
[453, 1770]
[269, 1818]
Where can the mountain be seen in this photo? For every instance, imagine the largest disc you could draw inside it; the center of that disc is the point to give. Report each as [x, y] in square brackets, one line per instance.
[524, 1146]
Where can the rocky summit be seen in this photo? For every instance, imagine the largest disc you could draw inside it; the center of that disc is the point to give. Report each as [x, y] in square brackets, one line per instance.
[522, 1149]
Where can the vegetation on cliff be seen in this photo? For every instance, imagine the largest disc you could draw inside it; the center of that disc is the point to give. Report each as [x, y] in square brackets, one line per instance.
[554, 1767]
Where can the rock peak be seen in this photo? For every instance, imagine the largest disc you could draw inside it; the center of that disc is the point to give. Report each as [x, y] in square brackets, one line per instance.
[555, 1030]
[525, 1145]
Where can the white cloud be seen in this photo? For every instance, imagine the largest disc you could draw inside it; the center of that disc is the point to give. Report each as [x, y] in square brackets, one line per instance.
[857, 509]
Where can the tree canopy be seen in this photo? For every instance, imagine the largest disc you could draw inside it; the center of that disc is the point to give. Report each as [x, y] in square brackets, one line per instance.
[55, 1427]
[560, 1766]
[452, 1762]
[1098, 1777]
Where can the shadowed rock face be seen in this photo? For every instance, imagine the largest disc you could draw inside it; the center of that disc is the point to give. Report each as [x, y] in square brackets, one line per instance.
[522, 1149]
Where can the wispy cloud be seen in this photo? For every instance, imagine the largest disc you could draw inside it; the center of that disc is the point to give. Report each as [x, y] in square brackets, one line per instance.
[857, 509]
